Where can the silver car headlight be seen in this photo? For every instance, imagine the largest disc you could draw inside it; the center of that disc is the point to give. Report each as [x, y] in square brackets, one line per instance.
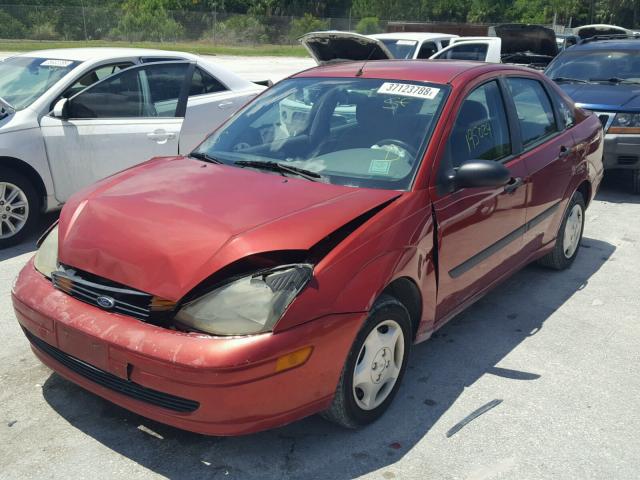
[46, 259]
[249, 305]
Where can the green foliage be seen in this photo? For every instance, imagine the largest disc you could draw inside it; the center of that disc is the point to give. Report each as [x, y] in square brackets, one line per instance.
[147, 20]
[43, 26]
[241, 29]
[11, 26]
[368, 26]
[307, 23]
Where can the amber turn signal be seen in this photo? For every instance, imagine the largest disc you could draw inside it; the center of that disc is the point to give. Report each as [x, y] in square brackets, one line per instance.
[293, 359]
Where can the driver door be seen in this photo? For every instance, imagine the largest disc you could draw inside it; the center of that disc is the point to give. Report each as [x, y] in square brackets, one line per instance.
[121, 121]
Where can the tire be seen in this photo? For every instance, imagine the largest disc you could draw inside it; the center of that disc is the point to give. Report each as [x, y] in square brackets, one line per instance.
[390, 319]
[561, 257]
[16, 190]
[635, 174]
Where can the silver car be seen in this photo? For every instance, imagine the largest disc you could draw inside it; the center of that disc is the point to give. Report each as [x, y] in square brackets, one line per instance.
[71, 117]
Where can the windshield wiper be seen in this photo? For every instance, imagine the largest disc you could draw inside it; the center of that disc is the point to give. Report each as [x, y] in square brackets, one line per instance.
[616, 80]
[524, 53]
[279, 167]
[204, 157]
[567, 79]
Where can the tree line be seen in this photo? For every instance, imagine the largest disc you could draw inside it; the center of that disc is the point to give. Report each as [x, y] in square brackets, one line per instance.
[281, 21]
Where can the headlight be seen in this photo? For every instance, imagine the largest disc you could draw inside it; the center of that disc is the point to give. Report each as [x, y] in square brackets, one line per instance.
[46, 260]
[624, 121]
[252, 304]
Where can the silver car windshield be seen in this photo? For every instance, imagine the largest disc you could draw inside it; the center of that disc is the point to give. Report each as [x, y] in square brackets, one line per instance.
[368, 133]
[24, 79]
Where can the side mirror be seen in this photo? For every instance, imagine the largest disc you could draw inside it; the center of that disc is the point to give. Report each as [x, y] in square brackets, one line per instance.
[481, 173]
[61, 109]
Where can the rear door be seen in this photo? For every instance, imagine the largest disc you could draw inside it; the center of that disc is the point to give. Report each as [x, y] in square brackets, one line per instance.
[480, 230]
[486, 49]
[548, 149]
[116, 123]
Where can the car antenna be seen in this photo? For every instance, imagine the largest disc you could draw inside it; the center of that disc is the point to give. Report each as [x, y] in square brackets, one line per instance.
[361, 69]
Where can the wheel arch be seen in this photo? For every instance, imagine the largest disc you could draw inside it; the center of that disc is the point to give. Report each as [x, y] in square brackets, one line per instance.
[12, 163]
[405, 290]
[585, 189]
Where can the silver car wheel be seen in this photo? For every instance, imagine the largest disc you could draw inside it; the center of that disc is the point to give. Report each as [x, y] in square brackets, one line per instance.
[572, 231]
[378, 366]
[14, 209]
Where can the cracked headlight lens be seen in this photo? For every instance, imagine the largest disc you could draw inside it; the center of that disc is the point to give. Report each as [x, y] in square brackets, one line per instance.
[46, 259]
[249, 305]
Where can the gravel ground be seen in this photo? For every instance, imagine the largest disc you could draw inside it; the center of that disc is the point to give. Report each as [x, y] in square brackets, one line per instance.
[559, 349]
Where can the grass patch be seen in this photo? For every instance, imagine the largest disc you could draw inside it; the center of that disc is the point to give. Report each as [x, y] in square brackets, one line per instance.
[202, 48]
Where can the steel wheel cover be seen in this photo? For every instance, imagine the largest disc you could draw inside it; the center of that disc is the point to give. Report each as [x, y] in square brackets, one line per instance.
[378, 366]
[572, 231]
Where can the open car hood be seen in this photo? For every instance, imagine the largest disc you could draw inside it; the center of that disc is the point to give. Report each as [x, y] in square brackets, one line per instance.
[531, 39]
[336, 46]
[6, 109]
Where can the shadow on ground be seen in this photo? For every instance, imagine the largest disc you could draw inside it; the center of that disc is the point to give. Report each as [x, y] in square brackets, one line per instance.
[457, 356]
[617, 187]
[29, 244]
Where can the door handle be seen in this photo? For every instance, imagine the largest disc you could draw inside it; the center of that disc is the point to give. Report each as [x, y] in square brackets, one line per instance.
[564, 152]
[513, 185]
[161, 136]
[226, 104]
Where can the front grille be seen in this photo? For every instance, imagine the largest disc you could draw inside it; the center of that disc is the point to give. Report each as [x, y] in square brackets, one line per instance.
[112, 382]
[112, 296]
[627, 159]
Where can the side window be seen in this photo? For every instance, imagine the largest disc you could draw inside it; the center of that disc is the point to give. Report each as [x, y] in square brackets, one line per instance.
[467, 51]
[203, 83]
[94, 76]
[535, 113]
[427, 49]
[481, 130]
[445, 43]
[149, 91]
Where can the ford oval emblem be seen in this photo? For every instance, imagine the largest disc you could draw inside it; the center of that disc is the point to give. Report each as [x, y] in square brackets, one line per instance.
[105, 302]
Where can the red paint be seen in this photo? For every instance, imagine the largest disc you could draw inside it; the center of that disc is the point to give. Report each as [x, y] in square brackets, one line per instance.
[168, 224]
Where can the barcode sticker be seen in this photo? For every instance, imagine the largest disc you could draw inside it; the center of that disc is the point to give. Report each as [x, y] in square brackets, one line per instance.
[56, 63]
[409, 90]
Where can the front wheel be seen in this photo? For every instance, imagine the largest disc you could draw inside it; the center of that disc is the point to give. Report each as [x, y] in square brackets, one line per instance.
[568, 240]
[18, 207]
[375, 366]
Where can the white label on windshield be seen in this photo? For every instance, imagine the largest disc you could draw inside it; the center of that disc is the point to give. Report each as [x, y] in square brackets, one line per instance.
[406, 42]
[56, 63]
[408, 90]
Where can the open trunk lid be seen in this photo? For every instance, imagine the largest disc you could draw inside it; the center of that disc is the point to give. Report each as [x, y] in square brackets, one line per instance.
[336, 46]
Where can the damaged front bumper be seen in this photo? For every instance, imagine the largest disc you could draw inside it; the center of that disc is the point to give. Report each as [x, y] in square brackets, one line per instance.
[205, 384]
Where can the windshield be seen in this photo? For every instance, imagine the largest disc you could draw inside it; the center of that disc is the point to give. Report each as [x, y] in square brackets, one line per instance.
[24, 79]
[367, 133]
[596, 65]
[401, 49]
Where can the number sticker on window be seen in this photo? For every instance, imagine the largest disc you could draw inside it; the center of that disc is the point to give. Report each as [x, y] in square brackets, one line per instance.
[56, 63]
[408, 90]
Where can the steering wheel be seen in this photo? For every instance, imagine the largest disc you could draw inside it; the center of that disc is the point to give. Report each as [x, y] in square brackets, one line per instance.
[398, 143]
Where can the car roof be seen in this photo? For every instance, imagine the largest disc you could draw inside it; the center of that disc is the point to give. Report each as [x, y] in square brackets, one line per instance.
[98, 53]
[436, 71]
[613, 44]
[411, 36]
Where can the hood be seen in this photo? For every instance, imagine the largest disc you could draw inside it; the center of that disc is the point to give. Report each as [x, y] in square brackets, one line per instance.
[6, 109]
[166, 225]
[604, 97]
[527, 38]
[336, 46]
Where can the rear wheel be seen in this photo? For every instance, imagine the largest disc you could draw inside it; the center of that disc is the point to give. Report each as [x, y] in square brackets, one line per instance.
[19, 207]
[375, 366]
[569, 236]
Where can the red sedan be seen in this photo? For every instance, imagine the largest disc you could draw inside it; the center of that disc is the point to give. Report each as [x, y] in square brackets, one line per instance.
[289, 264]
